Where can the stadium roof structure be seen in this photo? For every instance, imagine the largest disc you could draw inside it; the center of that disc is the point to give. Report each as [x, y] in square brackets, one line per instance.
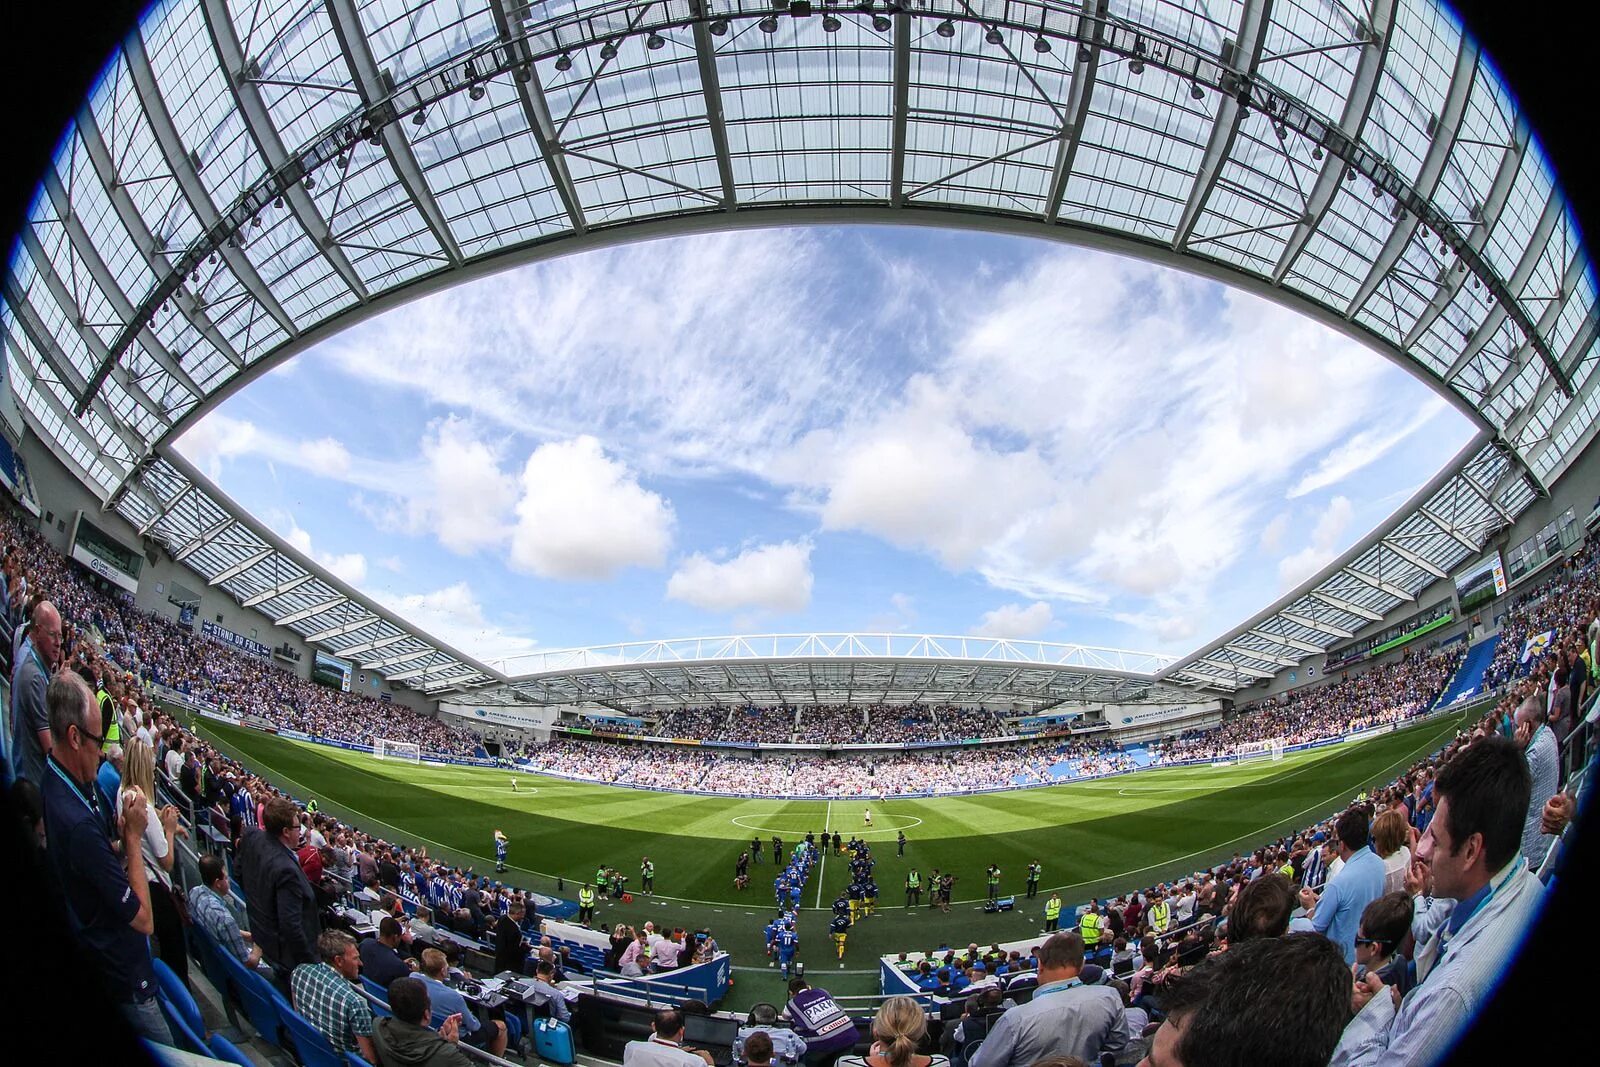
[764, 670]
[248, 178]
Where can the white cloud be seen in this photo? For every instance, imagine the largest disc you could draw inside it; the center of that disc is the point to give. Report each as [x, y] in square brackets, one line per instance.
[585, 515]
[455, 616]
[1016, 621]
[1326, 539]
[1363, 449]
[1273, 532]
[766, 577]
[350, 567]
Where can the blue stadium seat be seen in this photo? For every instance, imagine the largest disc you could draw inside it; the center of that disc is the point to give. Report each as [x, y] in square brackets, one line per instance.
[311, 1046]
[226, 1050]
[183, 1036]
[255, 995]
[173, 989]
[373, 988]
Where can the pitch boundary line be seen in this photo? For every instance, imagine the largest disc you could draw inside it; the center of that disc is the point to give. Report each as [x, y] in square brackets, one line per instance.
[822, 865]
[406, 834]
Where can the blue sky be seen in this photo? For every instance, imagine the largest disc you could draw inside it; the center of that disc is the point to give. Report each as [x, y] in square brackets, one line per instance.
[829, 429]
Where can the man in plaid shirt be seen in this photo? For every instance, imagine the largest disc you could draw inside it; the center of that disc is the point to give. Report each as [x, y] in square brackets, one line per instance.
[209, 909]
[325, 994]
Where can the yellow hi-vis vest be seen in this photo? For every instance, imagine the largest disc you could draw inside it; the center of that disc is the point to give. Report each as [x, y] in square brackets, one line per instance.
[109, 723]
[1089, 927]
[1158, 915]
[913, 880]
[586, 897]
[1052, 908]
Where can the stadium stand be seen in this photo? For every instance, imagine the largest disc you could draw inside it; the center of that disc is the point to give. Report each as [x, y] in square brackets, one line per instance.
[1155, 936]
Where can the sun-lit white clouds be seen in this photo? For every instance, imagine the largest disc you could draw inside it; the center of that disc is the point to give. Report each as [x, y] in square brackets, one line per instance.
[706, 353]
[455, 616]
[218, 438]
[1364, 448]
[774, 578]
[1016, 621]
[1100, 431]
[463, 496]
[584, 515]
[1326, 539]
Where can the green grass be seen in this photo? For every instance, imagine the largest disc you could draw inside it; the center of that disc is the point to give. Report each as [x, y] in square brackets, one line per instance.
[1094, 838]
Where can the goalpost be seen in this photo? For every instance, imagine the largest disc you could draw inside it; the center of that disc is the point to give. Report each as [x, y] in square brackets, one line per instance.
[383, 748]
[1251, 751]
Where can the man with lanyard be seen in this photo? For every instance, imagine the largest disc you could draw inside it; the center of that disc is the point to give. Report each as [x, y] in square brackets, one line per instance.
[1052, 913]
[107, 898]
[1478, 900]
[1035, 869]
[38, 657]
[994, 881]
[1064, 1018]
[913, 888]
[1160, 914]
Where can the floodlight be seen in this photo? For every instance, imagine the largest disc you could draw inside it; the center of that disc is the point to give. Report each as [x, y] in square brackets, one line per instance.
[994, 36]
[945, 29]
[718, 27]
[830, 24]
[1041, 45]
[420, 117]
[564, 63]
[769, 25]
[1316, 151]
[655, 42]
[881, 23]
[475, 92]
[609, 49]
[1196, 92]
[1136, 66]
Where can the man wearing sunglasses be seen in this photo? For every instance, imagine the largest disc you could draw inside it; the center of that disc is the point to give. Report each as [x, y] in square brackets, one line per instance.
[108, 896]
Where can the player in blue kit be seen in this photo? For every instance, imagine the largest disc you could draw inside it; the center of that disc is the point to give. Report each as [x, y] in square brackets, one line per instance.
[788, 944]
[501, 845]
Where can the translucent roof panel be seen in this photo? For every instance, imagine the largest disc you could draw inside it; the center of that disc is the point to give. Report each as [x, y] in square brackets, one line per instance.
[247, 173]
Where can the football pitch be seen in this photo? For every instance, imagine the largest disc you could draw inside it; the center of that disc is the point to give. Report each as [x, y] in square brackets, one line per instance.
[1094, 838]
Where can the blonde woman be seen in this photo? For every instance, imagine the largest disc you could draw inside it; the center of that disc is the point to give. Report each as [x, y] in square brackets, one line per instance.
[160, 852]
[897, 1031]
[1390, 840]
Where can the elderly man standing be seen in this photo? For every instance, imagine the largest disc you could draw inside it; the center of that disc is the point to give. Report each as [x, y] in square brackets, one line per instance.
[40, 654]
[1539, 749]
[109, 897]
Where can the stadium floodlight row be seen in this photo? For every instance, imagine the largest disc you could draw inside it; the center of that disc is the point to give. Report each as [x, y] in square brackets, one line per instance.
[241, 185]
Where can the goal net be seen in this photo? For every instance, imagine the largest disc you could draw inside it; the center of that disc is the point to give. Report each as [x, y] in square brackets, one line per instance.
[383, 748]
[1251, 751]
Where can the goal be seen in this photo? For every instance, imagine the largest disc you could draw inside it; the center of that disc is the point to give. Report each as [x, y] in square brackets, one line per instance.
[383, 748]
[1251, 751]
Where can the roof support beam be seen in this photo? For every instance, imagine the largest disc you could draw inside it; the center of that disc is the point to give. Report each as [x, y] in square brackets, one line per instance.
[352, 37]
[257, 119]
[1079, 96]
[240, 567]
[1379, 584]
[194, 190]
[342, 629]
[1249, 39]
[1345, 606]
[306, 613]
[536, 113]
[1414, 559]
[372, 646]
[1288, 642]
[166, 509]
[415, 672]
[275, 591]
[1449, 528]
[1264, 657]
[705, 51]
[396, 660]
[1489, 328]
[1315, 624]
[200, 540]
[1238, 668]
[902, 105]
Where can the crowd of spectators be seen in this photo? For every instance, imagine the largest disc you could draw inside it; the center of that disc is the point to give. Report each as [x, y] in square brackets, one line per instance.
[1562, 605]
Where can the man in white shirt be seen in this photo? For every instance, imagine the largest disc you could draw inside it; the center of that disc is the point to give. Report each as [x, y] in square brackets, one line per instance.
[664, 1047]
[174, 760]
[1539, 749]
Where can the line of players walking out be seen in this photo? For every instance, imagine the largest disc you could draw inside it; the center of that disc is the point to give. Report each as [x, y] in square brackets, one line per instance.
[855, 903]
